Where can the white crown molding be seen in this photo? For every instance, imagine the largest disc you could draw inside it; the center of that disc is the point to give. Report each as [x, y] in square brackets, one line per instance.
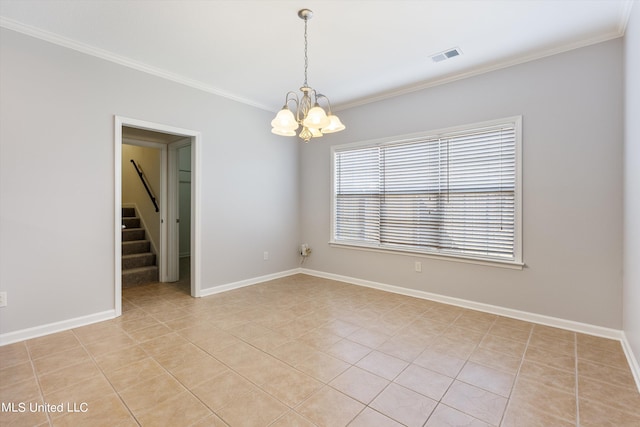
[50, 37]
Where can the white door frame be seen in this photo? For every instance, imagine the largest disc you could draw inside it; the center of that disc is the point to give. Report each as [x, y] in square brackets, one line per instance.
[172, 271]
[196, 146]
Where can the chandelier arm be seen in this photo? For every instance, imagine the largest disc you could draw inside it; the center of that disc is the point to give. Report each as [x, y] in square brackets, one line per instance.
[319, 95]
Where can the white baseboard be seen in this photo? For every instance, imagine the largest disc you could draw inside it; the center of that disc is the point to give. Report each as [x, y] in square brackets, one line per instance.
[633, 360]
[50, 328]
[247, 282]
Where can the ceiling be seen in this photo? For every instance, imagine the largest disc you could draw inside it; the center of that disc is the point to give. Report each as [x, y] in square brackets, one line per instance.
[359, 51]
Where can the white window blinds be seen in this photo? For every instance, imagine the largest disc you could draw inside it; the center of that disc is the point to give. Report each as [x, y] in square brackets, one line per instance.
[454, 193]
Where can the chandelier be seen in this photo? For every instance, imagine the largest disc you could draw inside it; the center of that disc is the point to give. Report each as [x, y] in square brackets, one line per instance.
[313, 119]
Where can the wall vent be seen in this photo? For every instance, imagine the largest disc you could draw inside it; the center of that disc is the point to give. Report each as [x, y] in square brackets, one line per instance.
[447, 54]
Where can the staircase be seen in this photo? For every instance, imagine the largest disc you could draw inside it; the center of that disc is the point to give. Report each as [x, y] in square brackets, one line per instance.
[138, 262]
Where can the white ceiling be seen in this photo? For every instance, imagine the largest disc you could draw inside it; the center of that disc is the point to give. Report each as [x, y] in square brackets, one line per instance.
[359, 51]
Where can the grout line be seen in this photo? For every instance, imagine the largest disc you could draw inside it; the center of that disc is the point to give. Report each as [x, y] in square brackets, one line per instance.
[517, 374]
[37, 377]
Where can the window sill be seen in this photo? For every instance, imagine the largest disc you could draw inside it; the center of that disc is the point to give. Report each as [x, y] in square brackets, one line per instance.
[512, 265]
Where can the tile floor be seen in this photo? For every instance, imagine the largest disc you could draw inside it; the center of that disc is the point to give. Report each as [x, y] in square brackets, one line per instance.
[304, 351]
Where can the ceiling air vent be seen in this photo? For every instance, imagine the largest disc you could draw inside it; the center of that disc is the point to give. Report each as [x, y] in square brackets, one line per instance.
[447, 54]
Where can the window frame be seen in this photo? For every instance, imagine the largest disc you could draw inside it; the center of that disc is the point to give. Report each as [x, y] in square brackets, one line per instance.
[515, 263]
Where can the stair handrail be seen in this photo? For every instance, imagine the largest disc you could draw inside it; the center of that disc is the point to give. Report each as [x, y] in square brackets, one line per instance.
[147, 187]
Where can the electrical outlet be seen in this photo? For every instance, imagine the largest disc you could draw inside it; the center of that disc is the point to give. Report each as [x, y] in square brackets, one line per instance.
[265, 255]
[418, 266]
[3, 299]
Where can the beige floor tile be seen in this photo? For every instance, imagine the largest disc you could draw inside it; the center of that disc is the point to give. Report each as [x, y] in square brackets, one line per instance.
[597, 414]
[549, 376]
[68, 376]
[619, 376]
[22, 415]
[554, 333]
[515, 334]
[292, 419]
[493, 359]
[590, 341]
[424, 381]
[61, 360]
[547, 357]
[192, 375]
[107, 411]
[440, 362]
[293, 352]
[92, 389]
[383, 365]
[370, 418]
[117, 359]
[404, 347]
[348, 351]
[453, 346]
[514, 323]
[520, 414]
[149, 333]
[115, 342]
[330, 408]
[134, 373]
[359, 384]
[186, 355]
[256, 408]
[182, 409]
[616, 359]
[368, 338]
[223, 389]
[556, 345]
[621, 398]
[16, 374]
[291, 386]
[163, 344]
[49, 344]
[322, 366]
[504, 345]
[13, 354]
[556, 402]
[445, 416]
[474, 401]
[211, 420]
[403, 405]
[486, 378]
[21, 391]
[144, 396]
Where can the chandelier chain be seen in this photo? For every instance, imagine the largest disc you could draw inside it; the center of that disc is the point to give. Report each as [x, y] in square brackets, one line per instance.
[306, 59]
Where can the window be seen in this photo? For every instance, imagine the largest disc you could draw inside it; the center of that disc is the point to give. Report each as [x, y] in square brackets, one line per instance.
[453, 193]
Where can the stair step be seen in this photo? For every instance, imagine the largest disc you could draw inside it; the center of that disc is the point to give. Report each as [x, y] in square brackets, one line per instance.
[138, 260]
[128, 212]
[129, 234]
[136, 247]
[139, 276]
[131, 222]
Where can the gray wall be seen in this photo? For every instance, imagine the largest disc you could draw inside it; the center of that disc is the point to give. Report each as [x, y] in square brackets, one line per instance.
[632, 184]
[57, 180]
[572, 108]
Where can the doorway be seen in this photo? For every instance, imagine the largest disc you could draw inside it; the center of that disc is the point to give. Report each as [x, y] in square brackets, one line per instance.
[177, 199]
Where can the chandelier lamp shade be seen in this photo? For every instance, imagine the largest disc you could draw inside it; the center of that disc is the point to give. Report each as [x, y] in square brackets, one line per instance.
[308, 115]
